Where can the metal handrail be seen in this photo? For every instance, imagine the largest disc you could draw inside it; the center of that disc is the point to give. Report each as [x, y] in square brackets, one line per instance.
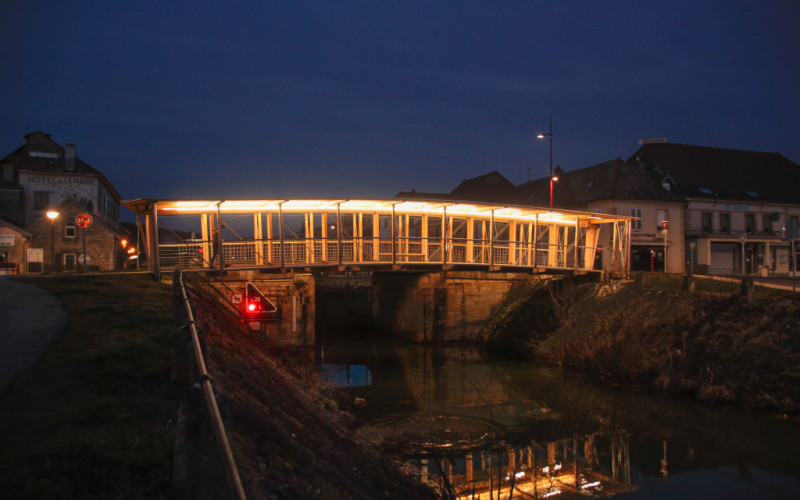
[405, 250]
[231, 471]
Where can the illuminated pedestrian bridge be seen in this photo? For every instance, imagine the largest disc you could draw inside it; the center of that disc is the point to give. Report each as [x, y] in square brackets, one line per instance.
[363, 234]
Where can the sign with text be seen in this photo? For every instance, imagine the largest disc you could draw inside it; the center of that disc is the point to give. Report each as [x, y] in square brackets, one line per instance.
[83, 220]
[53, 180]
[737, 207]
[36, 255]
[6, 240]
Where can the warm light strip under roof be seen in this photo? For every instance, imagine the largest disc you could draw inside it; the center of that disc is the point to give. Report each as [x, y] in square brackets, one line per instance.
[434, 208]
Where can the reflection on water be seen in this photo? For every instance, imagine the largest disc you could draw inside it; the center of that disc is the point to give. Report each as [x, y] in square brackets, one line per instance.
[345, 375]
[475, 429]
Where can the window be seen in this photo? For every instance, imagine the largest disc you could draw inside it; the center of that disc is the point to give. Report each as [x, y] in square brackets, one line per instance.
[725, 223]
[749, 223]
[69, 261]
[766, 223]
[69, 231]
[661, 215]
[636, 224]
[8, 173]
[706, 222]
[41, 200]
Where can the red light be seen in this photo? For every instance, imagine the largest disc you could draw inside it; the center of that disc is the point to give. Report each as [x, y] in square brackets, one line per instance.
[255, 306]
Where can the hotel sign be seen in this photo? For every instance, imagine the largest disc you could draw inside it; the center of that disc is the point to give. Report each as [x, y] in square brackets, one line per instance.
[52, 180]
[40, 154]
[737, 207]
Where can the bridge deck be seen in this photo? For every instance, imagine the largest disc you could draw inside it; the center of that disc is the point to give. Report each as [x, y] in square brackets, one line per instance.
[361, 234]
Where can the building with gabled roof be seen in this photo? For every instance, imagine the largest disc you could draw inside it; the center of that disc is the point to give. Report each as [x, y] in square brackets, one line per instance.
[617, 187]
[41, 173]
[715, 173]
[492, 187]
[40, 176]
[737, 204]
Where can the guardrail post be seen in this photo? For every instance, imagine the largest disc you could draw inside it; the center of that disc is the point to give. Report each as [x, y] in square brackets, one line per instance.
[394, 250]
[280, 232]
[444, 236]
[746, 288]
[491, 240]
[339, 230]
[152, 228]
[219, 240]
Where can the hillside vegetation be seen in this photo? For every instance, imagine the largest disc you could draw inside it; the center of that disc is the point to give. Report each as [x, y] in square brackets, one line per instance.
[715, 346]
[289, 436]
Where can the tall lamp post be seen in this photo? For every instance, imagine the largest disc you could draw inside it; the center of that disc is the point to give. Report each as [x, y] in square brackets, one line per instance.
[664, 231]
[52, 215]
[552, 179]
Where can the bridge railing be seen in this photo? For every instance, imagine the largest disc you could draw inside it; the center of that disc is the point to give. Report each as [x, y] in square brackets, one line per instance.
[192, 254]
[209, 234]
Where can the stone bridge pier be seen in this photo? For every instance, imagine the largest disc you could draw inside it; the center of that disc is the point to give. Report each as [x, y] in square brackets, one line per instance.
[419, 306]
[442, 306]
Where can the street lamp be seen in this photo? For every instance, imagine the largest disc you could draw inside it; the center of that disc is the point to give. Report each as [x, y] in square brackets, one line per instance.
[664, 231]
[552, 179]
[52, 215]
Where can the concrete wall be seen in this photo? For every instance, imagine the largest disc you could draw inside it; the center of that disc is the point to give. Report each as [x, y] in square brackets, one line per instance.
[440, 306]
[295, 295]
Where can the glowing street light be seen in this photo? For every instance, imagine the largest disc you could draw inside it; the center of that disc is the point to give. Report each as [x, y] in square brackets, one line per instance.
[52, 215]
[552, 179]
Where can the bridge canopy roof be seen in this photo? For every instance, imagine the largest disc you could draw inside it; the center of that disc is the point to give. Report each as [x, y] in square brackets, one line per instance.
[386, 206]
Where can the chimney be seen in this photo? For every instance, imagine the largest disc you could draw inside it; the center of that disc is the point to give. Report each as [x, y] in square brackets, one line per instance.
[69, 158]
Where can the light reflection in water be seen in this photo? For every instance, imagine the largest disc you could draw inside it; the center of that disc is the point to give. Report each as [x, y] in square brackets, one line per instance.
[469, 426]
[345, 375]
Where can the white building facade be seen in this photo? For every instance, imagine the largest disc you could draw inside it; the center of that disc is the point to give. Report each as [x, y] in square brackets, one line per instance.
[737, 205]
[732, 237]
[42, 176]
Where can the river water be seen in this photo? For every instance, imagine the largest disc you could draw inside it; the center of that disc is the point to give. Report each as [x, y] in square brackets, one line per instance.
[473, 428]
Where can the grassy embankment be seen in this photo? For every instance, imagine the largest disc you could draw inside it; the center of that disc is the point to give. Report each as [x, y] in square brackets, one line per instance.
[95, 417]
[711, 344]
[286, 429]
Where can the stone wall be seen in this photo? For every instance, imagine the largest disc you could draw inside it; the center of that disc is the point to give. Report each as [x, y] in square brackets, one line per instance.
[293, 293]
[444, 306]
[102, 242]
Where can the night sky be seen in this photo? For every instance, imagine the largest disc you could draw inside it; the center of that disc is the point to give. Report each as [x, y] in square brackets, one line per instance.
[360, 99]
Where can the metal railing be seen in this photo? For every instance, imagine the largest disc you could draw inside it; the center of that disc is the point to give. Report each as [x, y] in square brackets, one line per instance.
[221, 435]
[358, 251]
[308, 233]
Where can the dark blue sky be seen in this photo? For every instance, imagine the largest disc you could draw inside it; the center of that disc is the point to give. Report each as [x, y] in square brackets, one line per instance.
[296, 99]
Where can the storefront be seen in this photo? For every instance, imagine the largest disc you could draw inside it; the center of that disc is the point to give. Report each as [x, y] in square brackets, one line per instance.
[13, 247]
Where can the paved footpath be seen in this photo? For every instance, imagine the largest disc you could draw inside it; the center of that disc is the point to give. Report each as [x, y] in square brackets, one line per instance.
[30, 318]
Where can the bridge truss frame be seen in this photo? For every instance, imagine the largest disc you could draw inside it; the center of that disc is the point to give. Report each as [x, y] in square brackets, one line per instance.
[366, 234]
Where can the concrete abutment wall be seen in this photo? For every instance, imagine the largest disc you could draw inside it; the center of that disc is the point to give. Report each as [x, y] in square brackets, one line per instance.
[293, 293]
[444, 306]
[419, 306]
